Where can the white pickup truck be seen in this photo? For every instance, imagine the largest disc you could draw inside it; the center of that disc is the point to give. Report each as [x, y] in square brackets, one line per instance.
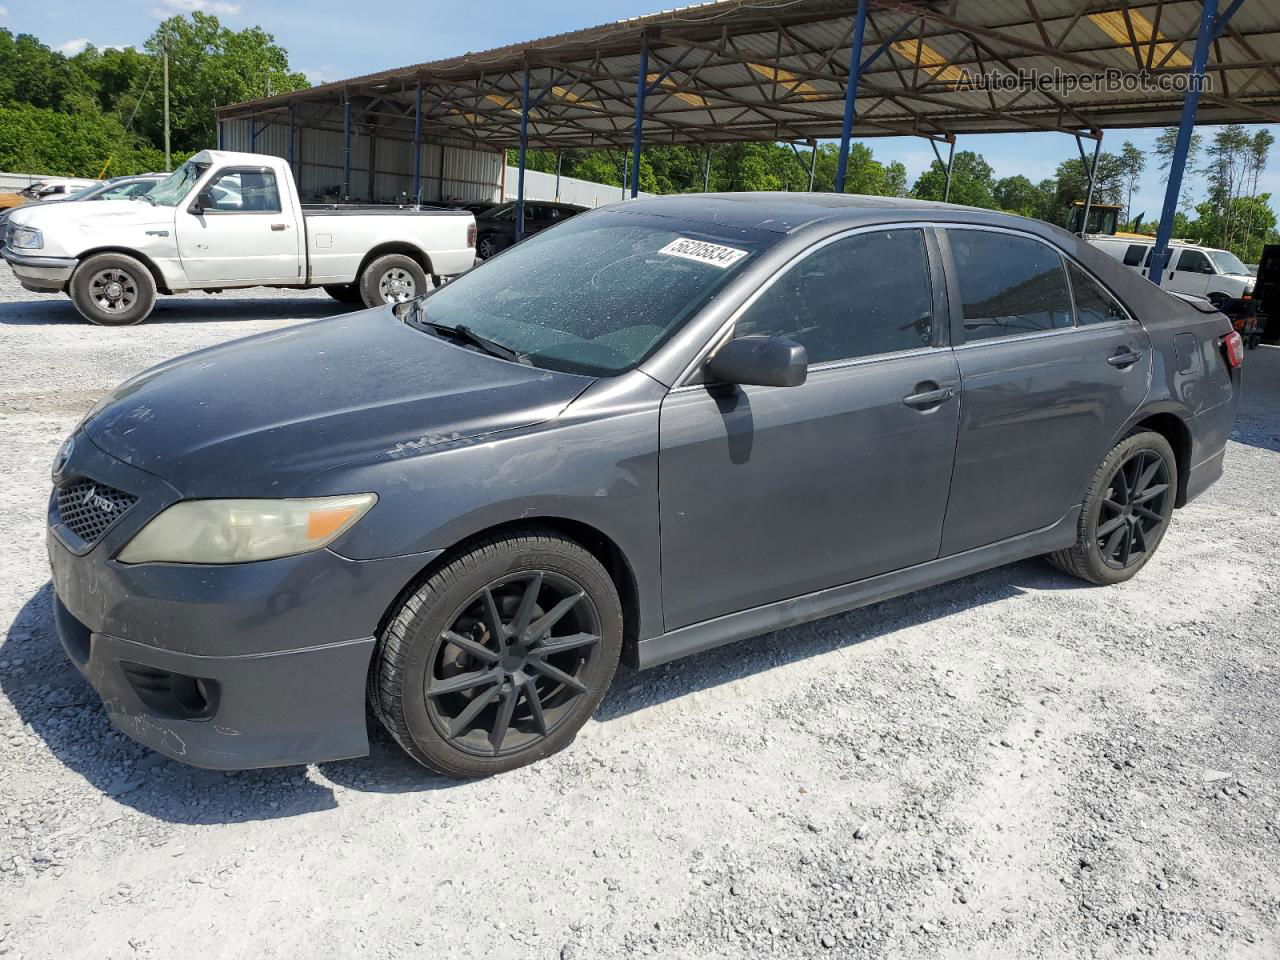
[225, 220]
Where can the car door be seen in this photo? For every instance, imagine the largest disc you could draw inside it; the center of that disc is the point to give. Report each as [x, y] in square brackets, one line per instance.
[1190, 272]
[773, 492]
[1042, 393]
[239, 232]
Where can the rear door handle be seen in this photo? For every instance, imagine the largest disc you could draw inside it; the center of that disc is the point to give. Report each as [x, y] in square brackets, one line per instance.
[929, 398]
[1122, 359]
[279, 226]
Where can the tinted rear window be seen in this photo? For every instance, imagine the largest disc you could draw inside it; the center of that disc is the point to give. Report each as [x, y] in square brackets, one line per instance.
[1009, 285]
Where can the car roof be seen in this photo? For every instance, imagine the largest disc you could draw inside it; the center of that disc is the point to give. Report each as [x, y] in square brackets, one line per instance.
[788, 212]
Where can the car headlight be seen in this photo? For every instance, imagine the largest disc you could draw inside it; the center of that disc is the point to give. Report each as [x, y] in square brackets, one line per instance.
[241, 531]
[26, 238]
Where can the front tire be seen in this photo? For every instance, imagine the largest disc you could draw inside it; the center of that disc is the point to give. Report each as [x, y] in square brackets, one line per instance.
[1126, 511]
[393, 278]
[113, 290]
[500, 657]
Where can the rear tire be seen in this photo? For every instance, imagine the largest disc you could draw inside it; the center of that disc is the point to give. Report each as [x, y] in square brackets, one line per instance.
[486, 246]
[500, 657]
[344, 292]
[392, 278]
[1126, 511]
[113, 290]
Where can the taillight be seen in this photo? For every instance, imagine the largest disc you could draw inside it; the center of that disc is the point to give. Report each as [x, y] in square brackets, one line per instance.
[1233, 349]
[471, 234]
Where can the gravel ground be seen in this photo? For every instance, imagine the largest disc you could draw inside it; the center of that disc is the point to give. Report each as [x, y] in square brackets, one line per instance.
[1011, 765]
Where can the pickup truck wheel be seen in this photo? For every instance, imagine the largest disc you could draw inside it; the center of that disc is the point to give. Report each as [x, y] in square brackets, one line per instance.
[393, 278]
[113, 290]
[344, 292]
[501, 656]
[1126, 511]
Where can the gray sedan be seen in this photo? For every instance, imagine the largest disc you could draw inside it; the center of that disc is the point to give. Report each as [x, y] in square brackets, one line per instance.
[653, 429]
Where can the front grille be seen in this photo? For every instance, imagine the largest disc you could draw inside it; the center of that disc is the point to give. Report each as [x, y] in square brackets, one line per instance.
[88, 508]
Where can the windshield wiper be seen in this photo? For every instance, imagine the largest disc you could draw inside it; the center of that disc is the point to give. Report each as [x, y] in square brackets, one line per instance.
[415, 316]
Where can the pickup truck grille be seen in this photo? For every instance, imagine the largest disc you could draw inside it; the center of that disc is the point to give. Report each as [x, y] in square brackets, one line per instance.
[89, 509]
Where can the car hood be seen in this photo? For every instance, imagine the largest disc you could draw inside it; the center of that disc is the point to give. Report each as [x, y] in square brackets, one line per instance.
[104, 214]
[258, 416]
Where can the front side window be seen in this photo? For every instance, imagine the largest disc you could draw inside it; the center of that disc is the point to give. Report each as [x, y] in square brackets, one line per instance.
[1093, 304]
[597, 294]
[858, 296]
[1009, 285]
[243, 191]
[1193, 261]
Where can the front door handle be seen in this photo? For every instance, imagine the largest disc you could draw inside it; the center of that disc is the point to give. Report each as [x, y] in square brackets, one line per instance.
[929, 398]
[279, 226]
[1123, 358]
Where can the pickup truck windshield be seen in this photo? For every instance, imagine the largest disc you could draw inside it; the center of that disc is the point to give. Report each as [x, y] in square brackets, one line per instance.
[597, 294]
[170, 191]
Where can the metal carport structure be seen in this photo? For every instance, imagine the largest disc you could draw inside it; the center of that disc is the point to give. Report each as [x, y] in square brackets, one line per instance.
[801, 70]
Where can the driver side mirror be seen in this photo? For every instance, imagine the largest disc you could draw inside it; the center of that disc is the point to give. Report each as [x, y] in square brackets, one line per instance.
[202, 202]
[760, 361]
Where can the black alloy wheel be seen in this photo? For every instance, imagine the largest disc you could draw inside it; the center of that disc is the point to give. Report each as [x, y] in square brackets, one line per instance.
[508, 669]
[1126, 511]
[1133, 509]
[499, 656]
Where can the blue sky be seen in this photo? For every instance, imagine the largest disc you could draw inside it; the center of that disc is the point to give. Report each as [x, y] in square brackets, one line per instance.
[330, 40]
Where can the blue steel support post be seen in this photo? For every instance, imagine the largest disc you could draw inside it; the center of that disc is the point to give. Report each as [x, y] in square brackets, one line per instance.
[253, 136]
[346, 149]
[851, 94]
[642, 86]
[1209, 26]
[524, 149]
[417, 145]
[559, 161]
[951, 159]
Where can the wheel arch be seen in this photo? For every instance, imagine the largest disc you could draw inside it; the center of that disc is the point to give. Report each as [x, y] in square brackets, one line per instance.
[599, 544]
[402, 247]
[161, 285]
[1175, 430]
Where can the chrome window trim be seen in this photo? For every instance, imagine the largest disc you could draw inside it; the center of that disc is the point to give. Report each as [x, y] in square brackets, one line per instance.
[718, 339]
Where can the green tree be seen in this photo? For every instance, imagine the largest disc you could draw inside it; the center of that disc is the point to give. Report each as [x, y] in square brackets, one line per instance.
[972, 181]
[1017, 194]
[1132, 162]
[52, 142]
[1164, 152]
[211, 66]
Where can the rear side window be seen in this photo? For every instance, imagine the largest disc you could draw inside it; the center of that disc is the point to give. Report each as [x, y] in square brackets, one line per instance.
[1133, 256]
[1009, 285]
[859, 296]
[1093, 303]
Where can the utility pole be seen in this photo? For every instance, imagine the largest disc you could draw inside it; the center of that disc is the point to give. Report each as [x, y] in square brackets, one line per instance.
[168, 162]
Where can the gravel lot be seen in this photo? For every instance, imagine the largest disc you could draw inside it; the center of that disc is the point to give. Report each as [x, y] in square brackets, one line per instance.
[1012, 765]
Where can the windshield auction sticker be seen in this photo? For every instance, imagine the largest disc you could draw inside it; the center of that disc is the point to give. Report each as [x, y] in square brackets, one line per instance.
[711, 254]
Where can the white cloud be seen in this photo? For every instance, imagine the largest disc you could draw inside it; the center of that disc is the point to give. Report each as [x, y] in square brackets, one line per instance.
[169, 8]
[318, 75]
[72, 47]
[4, 11]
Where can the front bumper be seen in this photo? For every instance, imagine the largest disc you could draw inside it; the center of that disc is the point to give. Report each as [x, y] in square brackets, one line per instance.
[38, 273]
[227, 667]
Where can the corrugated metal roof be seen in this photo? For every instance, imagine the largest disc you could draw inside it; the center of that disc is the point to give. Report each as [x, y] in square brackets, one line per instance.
[777, 69]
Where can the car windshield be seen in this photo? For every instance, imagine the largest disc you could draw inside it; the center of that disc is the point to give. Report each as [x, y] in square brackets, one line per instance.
[81, 194]
[599, 293]
[1228, 262]
[170, 191]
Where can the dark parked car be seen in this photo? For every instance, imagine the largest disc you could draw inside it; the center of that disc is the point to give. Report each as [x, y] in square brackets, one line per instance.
[658, 428]
[496, 226]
